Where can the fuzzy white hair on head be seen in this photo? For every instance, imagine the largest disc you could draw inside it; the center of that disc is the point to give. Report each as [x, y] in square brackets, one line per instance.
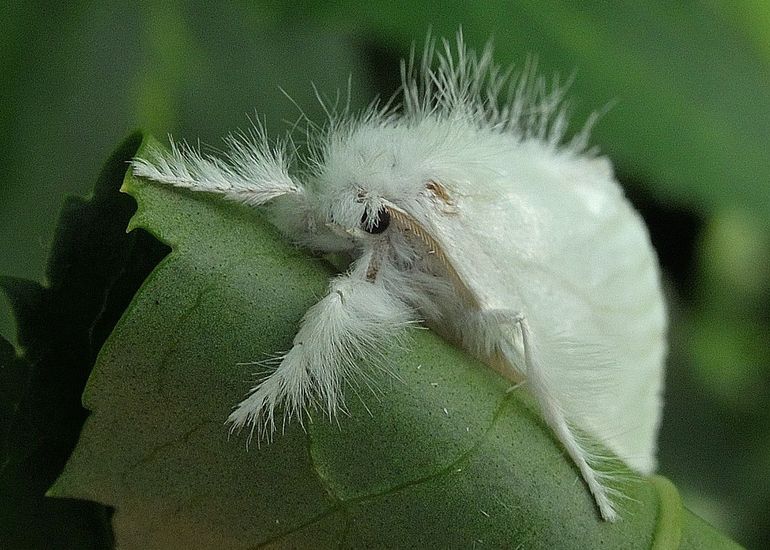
[463, 206]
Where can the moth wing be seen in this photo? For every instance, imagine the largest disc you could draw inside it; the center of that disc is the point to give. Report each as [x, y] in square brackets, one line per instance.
[558, 242]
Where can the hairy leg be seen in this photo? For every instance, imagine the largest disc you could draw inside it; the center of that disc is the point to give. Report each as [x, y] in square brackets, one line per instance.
[512, 346]
[347, 331]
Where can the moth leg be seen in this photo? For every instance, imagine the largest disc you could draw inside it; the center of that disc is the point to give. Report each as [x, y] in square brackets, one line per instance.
[555, 417]
[251, 171]
[352, 326]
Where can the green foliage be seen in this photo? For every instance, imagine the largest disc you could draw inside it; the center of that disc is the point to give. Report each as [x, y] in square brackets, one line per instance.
[442, 456]
[688, 131]
[93, 271]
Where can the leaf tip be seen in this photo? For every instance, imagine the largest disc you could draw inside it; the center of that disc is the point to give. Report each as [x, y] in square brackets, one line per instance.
[57, 490]
[668, 531]
[131, 184]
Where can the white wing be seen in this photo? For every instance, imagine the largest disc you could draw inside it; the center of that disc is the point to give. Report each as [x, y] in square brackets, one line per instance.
[550, 235]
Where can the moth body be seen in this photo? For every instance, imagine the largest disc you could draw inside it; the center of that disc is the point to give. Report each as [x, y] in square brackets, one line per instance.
[472, 216]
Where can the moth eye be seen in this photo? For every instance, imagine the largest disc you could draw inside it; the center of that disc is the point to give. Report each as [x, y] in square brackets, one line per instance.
[380, 224]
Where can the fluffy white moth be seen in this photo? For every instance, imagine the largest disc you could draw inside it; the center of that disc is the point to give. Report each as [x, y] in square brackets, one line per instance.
[465, 208]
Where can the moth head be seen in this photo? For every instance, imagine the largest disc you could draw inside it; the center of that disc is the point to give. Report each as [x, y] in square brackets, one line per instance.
[365, 216]
[376, 217]
[366, 178]
[358, 214]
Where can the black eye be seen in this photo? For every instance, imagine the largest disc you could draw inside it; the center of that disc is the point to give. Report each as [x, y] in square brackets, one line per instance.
[380, 224]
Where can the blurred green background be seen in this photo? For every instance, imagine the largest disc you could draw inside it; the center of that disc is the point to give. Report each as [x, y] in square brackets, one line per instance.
[688, 132]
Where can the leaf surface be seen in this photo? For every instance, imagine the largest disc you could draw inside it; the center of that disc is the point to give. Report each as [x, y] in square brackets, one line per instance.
[441, 456]
[93, 271]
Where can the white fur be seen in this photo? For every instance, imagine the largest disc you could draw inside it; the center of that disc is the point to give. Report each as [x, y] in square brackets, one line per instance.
[518, 247]
[357, 320]
[253, 173]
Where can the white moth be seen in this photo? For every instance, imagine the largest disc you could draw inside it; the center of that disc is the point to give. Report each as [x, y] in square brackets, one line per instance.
[464, 208]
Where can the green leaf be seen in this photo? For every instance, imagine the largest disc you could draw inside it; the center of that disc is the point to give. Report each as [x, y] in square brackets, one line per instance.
[93, 272]
[442, 456]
